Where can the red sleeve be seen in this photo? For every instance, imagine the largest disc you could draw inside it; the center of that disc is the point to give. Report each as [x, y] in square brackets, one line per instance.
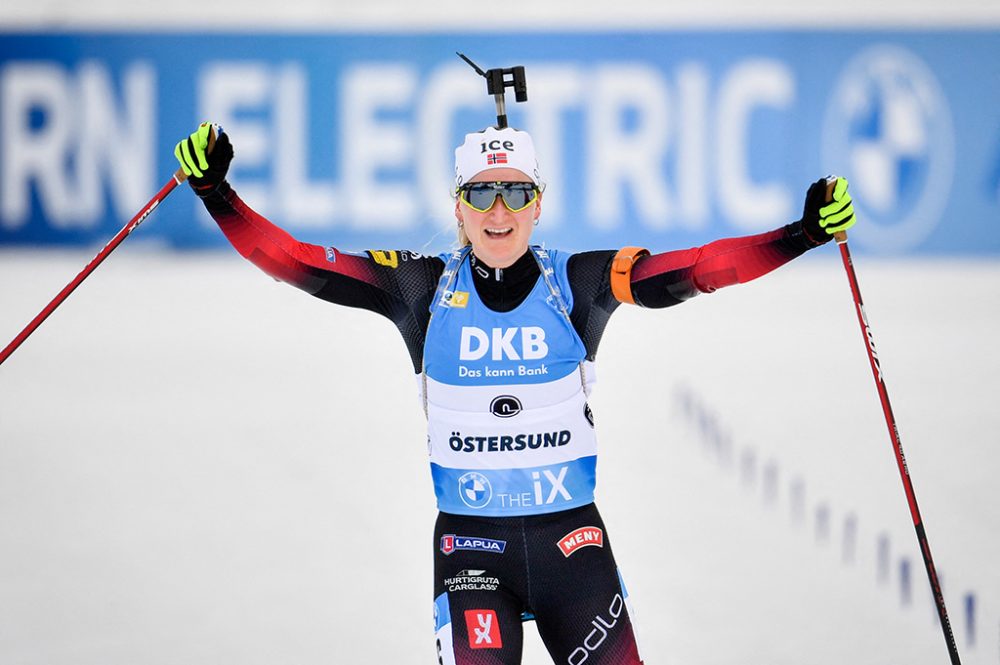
[387, 282]
[276, 252]
[395, 283]
[661, 280]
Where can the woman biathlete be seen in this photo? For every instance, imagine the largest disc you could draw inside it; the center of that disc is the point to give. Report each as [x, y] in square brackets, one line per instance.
[503, 336]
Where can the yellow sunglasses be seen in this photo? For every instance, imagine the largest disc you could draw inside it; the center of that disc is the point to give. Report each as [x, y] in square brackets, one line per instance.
[480, 196]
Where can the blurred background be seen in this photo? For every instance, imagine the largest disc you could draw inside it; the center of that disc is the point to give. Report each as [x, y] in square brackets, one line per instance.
[200, 465]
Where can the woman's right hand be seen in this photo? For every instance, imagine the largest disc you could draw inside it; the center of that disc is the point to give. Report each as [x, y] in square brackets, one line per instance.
[206, 169]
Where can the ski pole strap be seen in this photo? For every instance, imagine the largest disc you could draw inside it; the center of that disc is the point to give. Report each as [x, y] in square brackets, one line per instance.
[621, 272]
[555, 299]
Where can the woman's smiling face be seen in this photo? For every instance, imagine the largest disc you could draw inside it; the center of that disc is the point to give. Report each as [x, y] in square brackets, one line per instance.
[499, 237]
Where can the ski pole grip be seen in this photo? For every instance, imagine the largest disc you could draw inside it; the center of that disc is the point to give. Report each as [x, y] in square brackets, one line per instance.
[839, 236]
[179, 174]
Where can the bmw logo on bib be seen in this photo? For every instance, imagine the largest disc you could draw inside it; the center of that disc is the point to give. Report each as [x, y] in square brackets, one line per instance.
[475, 489]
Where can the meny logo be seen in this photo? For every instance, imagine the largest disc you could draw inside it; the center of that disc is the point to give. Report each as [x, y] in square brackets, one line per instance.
[582, 537]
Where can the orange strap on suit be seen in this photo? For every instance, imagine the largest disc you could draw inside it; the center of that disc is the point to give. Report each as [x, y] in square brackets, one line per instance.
[621, 272]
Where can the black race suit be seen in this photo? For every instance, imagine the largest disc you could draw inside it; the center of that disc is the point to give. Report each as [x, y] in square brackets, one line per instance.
[577, 598]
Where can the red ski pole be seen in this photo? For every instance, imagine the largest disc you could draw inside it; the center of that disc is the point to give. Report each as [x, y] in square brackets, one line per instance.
[178, 177]
[897, 445]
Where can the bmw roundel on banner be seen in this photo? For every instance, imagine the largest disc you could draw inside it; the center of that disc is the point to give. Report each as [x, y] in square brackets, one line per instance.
[889, 130]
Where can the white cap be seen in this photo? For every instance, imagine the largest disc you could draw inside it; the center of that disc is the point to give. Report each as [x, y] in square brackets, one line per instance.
[495, 148]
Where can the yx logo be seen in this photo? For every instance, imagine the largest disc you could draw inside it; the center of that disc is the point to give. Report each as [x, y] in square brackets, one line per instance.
[484, 631]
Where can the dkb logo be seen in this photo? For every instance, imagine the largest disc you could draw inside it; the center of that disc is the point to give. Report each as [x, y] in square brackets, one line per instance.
[476, 343]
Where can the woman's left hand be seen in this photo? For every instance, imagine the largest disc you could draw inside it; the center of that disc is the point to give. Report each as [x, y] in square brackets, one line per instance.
[822, 217]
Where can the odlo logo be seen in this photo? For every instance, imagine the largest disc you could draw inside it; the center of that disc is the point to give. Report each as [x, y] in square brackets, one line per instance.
[505, 406]
[596, 637]
[500, 344]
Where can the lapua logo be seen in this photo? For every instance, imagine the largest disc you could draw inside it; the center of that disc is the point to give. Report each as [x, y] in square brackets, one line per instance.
[451, 543]
[522, 343]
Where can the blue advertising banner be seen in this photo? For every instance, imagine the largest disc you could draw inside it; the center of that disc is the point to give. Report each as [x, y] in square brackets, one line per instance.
[665, 139]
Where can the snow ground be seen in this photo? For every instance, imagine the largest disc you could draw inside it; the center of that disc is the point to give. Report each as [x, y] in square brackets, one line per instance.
[201, 466]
